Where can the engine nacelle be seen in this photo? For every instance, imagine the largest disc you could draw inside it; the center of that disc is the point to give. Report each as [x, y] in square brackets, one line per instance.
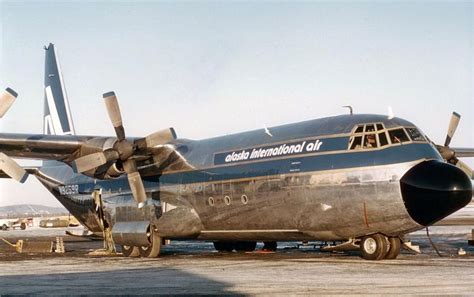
[109, 170]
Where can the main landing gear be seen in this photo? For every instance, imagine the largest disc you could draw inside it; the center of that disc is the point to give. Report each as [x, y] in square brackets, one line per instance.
[378, 247]
[151, 251]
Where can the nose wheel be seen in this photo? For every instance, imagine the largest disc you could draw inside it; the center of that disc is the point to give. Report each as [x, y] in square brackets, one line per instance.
[378, 247]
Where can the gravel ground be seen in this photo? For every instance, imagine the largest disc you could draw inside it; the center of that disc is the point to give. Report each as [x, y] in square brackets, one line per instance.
[195, 268]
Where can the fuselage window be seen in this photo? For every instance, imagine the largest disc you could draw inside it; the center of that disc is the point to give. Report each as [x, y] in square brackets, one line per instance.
[398, 136]
[415, 135]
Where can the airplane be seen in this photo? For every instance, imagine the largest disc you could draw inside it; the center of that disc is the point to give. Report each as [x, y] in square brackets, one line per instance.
[362, 179]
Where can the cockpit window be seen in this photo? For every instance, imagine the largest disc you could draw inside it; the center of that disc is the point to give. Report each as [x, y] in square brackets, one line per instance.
[356, 143]
[398, 136]
[375, 135]
[369, 141]
[365, 136]
[369, 128]
[415, 135]
[383, 139]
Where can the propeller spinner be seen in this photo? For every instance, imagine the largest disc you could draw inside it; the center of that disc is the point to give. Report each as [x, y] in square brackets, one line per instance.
[124, 150]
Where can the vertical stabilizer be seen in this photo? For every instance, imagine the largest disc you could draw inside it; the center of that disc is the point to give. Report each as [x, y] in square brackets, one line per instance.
[57, 115]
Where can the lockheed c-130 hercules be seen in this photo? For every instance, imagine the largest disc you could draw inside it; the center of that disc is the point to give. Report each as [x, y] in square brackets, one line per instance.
[362, 179]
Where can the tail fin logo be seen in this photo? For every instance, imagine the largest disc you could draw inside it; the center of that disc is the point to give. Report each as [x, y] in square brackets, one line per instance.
[52, 123]
[57, 115]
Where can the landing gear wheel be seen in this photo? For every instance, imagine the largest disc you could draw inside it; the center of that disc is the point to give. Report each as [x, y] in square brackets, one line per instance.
[224, 246]
[245, 246]
[154, 249]
[4, 227]
[130, 251]
[374, 247]
[270, 246]
[394, 249]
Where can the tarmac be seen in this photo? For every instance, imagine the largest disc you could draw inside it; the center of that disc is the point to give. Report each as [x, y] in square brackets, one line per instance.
[193, 267]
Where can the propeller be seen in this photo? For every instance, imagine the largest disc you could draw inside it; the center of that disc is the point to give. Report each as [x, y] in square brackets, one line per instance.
[7, 164]
[448, 153]
[12, 169]
[124, 150]
[6, 100]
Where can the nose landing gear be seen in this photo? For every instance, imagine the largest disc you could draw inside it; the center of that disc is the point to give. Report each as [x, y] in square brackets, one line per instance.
[378, 247]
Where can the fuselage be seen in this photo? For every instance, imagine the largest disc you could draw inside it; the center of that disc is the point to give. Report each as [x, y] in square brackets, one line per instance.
[327, 179]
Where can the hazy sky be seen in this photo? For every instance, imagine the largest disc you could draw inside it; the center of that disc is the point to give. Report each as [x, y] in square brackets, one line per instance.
[209, 68]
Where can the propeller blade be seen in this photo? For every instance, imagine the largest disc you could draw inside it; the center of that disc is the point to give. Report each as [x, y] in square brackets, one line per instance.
[89, 162]
[6, 100]
[157, 138]
[453, 124]
[135, 182]
[12, 169]
[113, 109]
[464, 167]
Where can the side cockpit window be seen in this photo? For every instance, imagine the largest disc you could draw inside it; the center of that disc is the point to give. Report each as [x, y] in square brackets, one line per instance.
[398, 136]
[356, 143]
[415, 135]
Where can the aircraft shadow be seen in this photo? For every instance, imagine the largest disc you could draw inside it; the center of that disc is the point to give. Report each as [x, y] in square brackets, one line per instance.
[154, 281]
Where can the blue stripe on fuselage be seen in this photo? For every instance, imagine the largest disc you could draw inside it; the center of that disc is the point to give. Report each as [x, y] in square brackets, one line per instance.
[342, 160]
[390, 155]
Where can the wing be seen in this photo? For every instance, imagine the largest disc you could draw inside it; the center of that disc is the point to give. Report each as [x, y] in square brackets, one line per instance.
[98, 157]
[68, 149]
[463, 152]
[44, 147]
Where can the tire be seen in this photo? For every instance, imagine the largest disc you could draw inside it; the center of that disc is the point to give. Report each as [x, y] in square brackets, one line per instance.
[22, 226]
[394, 248]
[270, 246]
[224, 246]
[245, 246]
[154, 249]
[4, 227]
[130, 251]
[374, 247]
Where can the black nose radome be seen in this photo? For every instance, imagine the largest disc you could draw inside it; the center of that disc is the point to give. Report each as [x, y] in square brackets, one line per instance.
[433, 190]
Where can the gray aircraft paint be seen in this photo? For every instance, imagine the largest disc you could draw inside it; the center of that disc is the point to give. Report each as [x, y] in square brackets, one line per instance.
[201, 189]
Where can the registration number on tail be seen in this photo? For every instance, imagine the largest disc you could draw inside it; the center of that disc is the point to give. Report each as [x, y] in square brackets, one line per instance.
[69, 190]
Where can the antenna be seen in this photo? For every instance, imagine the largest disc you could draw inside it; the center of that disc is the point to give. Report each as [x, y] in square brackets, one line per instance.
[350, 108]
[391, 115]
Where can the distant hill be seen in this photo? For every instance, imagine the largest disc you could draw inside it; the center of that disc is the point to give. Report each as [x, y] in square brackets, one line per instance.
[30, 210]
